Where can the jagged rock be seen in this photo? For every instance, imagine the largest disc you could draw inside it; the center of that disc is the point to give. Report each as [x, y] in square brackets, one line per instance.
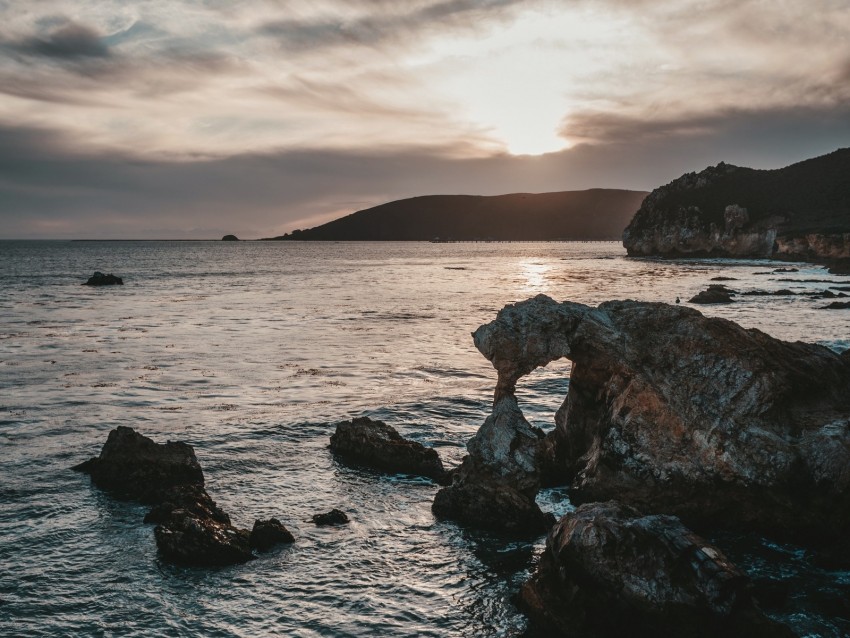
[191, 528]
[378, 445]
[334, 517]
[135, 467]
[796, 213]
[267, 534]
[716, 293]
[495, 486]
[678, 413]
[608, 571]
[99, 279]
[193, 540]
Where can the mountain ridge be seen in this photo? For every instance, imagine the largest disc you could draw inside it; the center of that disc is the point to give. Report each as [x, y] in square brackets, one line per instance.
[591, 214]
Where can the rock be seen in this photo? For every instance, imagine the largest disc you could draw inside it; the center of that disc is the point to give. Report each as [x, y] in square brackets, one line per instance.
[837, 305]
[230, 238]
[841, 267]
[135, 467]
[267, 534]
[495, 486]
[786, 270]
[99, 279]
[378, 445]
[609, 571]
[724, 279]
[715, 293]
[334, 517]
[190, 528]
[796, 213]
[677, 413]
[193, 540]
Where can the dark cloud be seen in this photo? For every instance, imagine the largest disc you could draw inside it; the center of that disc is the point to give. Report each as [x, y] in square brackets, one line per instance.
[389, 24]
[71, 41]
[50, 187]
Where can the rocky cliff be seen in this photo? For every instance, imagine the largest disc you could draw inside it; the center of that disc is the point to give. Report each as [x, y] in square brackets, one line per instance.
[800, 212]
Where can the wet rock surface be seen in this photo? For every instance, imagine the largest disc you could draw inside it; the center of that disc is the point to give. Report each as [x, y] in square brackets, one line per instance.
[99, 279]
[607, 570]
[267, 534]
[677, 413]
[190, 527]
[334, 517]
[379, 446]
[496, 484]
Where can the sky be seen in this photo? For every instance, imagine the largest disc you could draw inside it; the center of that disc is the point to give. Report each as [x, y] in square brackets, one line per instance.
[194, 119]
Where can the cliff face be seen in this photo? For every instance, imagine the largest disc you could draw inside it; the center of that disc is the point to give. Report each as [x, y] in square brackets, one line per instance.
[801, 212]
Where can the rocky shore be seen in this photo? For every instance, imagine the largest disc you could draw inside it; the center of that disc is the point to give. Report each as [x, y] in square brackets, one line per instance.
[797, 213]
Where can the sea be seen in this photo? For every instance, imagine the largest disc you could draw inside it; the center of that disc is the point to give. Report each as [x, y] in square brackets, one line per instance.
[252, 352]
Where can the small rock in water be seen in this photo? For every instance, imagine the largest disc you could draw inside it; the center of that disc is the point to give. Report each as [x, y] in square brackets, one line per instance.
[716, 293]
[380, 446]
[836, 305]
[230, 238]
[334, 517]
[267, 534]
[786, 270]
[99, 279]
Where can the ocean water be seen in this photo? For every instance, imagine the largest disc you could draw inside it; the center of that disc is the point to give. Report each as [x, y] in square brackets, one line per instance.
[251, 352]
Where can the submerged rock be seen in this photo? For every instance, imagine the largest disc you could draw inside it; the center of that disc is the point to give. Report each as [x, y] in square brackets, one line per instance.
[837, 305]
[609, 571]
[99, 279]
[191, 529]
[378, 445]
[334, 517]
[267, 534]
[678, 413]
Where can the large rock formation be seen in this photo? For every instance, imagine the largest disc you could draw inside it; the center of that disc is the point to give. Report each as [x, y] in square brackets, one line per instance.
[678, 413]
[801, 212]
[608, 571]
[378, 445]
[190, 529]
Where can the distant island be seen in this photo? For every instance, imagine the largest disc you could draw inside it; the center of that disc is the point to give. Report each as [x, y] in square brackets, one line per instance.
[800, 212]
[595, 214]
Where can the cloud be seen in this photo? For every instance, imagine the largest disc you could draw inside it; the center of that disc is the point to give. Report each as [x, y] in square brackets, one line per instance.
[71, 41]
[51, 187]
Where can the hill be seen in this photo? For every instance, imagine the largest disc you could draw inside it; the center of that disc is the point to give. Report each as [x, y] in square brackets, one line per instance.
[801, 211]
[590, 214]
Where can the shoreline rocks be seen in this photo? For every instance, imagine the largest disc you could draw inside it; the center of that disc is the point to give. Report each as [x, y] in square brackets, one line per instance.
[379, 446]
[715, 294]
[608, 571]
[676, 413]
[190, 527]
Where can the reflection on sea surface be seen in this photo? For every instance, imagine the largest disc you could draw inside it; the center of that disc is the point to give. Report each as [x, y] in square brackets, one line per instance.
[251, 351]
